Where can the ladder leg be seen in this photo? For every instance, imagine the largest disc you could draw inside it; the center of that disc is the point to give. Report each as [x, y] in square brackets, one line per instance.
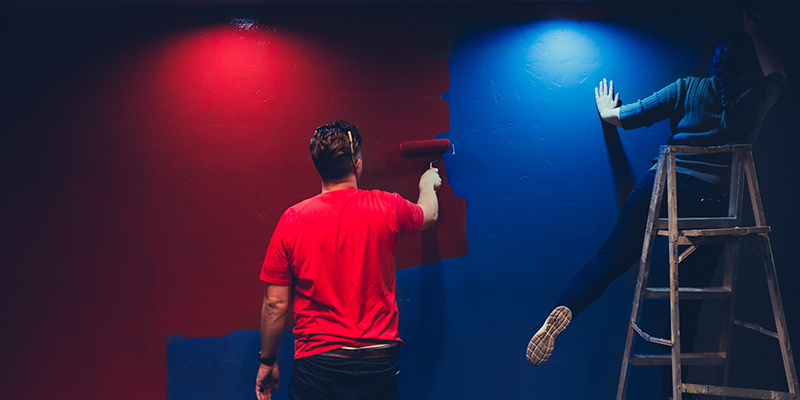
[755, 193]
[772, 278]
[644, 271]
[780, 319]
[672, 204]
[731, 264]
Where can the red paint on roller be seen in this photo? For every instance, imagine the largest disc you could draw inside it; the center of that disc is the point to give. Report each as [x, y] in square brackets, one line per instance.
[424, 146]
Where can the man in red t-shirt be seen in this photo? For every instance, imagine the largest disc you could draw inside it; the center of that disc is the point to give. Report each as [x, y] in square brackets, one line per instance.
[333, 257]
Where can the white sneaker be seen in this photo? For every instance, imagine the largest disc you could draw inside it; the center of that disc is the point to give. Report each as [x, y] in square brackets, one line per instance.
[542, 343]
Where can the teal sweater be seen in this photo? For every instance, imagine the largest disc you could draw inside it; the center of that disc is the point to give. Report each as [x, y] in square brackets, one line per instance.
[696, 118]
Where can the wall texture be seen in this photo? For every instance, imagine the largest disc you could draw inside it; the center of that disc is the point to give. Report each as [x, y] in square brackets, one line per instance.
[146, 155]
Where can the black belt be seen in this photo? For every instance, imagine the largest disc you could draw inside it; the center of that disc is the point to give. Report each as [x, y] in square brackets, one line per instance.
[363, 354]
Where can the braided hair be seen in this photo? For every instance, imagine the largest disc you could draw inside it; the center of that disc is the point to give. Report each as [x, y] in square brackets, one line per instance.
[731, 59]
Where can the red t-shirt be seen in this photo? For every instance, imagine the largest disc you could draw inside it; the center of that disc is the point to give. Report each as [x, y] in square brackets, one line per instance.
[338, 251]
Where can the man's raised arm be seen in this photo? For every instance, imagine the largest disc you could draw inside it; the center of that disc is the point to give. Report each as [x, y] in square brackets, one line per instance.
[428, 184]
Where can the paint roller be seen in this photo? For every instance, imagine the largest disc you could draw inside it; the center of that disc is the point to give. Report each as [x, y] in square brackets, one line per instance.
[430, 147]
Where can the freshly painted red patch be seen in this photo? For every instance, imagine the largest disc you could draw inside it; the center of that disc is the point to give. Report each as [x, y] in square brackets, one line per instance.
[154, 155]
[228, 150]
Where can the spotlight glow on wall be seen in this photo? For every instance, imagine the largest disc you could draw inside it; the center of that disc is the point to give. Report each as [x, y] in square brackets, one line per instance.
[561, 53]
[222, 76]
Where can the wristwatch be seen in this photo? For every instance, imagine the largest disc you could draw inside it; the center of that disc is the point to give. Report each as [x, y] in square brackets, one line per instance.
[269, 361]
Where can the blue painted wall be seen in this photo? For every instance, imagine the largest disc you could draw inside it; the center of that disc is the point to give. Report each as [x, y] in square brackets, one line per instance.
[543, 184]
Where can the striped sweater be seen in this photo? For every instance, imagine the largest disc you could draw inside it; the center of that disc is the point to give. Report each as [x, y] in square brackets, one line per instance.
[696, 118]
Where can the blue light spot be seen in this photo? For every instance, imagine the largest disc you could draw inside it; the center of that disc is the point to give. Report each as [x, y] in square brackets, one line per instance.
[560, 53]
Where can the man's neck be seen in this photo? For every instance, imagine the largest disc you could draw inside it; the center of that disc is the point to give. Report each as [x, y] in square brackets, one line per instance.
[349, 183]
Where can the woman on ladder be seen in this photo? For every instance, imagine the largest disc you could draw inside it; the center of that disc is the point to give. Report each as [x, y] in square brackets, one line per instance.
[718, 110]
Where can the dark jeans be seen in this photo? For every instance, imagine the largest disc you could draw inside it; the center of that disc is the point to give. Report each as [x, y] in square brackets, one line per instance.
[623, 249]
[321, 377]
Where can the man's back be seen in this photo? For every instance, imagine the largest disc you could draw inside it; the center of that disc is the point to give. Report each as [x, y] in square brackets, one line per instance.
[333, 256]
[338, 249]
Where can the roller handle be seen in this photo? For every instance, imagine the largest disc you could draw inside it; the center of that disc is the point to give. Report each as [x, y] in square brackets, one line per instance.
[424, 146]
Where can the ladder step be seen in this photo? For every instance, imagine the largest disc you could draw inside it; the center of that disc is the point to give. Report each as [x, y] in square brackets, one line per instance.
[715, 359]
[718, 236]
[689, 293]
[738, 231]
[736, 392]
[700, 223]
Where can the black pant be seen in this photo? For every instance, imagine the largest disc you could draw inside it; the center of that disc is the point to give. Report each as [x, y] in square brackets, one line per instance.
[321, 377]
[623, 249]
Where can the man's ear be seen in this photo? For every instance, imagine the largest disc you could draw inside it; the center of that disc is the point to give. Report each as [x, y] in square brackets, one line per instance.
[359, 166]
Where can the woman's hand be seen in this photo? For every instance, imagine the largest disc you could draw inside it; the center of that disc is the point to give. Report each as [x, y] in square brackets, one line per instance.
[752, 22]
[607, 102]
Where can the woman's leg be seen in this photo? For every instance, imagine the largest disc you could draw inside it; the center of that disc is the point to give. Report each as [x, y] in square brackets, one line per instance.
[621, 251]
[616, 256]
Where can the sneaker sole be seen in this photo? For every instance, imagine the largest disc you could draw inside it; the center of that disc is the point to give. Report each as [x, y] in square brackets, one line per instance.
[541, 345]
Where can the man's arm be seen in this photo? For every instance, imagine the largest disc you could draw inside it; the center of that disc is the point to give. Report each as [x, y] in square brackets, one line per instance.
[766, 58]
[428, 184]
[607, 102]
[273, 316]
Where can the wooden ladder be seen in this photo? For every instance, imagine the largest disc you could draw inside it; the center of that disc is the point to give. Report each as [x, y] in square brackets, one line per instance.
[691, 233]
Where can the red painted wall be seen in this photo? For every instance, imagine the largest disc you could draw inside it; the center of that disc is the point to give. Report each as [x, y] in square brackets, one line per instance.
[148, 154]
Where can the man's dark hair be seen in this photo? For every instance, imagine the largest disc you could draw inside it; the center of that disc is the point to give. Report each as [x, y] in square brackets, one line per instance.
[334, 149]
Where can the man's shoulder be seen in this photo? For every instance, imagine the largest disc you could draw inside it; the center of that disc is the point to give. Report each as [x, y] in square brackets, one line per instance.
[392, 198]
[302, 204]
[351, 196]
[297, 208]
[379, 193]
[340, 197]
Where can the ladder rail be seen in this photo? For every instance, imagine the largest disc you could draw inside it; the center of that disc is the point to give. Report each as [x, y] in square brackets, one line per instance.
[644, 270]
[694, 232]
